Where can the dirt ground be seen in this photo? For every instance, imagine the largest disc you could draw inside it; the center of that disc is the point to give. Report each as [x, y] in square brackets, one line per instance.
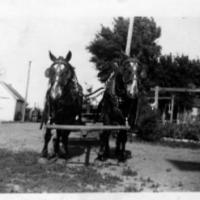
[151, 167]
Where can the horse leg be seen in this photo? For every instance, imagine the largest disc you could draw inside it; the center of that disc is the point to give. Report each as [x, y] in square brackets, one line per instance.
[117, 150]
[56, 143]
[121, 136]
[106, 144]
[104, 141]
[101, 148]
[121, 142]
[47, 138]
[64, 140]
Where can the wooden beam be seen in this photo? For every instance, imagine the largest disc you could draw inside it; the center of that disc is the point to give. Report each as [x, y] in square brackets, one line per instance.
[169, 89]
[88, 143]
[86, 128]
[160, 98]
[157, 89]
[172, 109]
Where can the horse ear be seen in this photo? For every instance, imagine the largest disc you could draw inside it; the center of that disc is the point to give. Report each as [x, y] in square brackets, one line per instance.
[52, 57]
[68, 56]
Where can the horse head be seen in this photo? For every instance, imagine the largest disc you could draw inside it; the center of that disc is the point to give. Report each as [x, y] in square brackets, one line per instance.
[130, 76]
[59, 73]
[132, 73]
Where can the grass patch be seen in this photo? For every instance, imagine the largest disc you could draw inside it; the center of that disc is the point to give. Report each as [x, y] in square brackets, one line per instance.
[131, 188]
[23, 171]
[129, 172]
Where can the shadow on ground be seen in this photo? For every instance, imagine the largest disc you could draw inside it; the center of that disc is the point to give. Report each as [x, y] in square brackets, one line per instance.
[185, 165]
[112, 154]
[75, 151]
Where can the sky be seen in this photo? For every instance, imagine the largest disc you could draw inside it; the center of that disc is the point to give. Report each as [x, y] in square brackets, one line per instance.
[30, 28]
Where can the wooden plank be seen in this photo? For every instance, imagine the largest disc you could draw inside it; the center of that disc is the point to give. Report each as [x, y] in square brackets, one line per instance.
[87, 128]
[169, 89]
[160, 98]
[88, 143]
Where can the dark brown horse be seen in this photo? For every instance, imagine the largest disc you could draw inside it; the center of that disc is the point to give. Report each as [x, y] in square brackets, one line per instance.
[63, 101]
[119, 103]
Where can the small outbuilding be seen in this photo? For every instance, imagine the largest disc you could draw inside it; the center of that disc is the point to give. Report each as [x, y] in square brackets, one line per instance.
[11, 103]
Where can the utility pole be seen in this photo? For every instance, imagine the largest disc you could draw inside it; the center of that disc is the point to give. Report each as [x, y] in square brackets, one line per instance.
[172, 109]
[26, 94]
[129, 36]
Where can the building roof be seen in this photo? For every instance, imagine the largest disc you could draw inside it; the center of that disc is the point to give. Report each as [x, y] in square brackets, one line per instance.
[13, 91]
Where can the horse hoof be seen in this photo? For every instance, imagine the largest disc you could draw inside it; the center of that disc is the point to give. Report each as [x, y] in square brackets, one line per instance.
[101, 158]
[42, 160]
[106, 155]
[98, 158]
[52, 156]
[129, 155]
[121, 158]
[44, 154]
[63, 156]
[104, 159]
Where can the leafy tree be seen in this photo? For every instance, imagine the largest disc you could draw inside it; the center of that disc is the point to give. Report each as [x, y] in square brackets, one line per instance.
[177, 71]
[108, 43]
[163, 70]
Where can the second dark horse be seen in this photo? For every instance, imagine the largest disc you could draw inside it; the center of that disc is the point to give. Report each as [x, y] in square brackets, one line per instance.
[119, 103]
[63, 102]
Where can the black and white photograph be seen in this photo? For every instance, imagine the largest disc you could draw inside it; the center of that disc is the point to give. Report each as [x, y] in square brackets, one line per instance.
[99, 97]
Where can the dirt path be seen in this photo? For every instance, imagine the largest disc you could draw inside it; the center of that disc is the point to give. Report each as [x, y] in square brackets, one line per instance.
[152, 167]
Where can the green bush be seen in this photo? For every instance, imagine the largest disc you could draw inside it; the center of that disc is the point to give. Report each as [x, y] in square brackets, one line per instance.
[151, 129]
[148, 124]
[181, 131]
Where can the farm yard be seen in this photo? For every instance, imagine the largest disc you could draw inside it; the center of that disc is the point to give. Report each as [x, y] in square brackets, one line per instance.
[88, 68]
[151, 167]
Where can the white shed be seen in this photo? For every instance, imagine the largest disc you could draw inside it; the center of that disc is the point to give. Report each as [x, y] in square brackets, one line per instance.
[11, 103]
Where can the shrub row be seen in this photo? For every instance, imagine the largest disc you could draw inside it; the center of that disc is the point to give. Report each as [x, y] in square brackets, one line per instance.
[180, 131]
[148, 124]
[150, 129]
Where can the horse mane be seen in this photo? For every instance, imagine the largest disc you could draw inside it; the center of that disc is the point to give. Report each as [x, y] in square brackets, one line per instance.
[108, 67]
[106, 70]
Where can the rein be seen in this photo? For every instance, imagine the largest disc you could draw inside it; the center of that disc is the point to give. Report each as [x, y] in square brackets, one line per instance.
[97, 90]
